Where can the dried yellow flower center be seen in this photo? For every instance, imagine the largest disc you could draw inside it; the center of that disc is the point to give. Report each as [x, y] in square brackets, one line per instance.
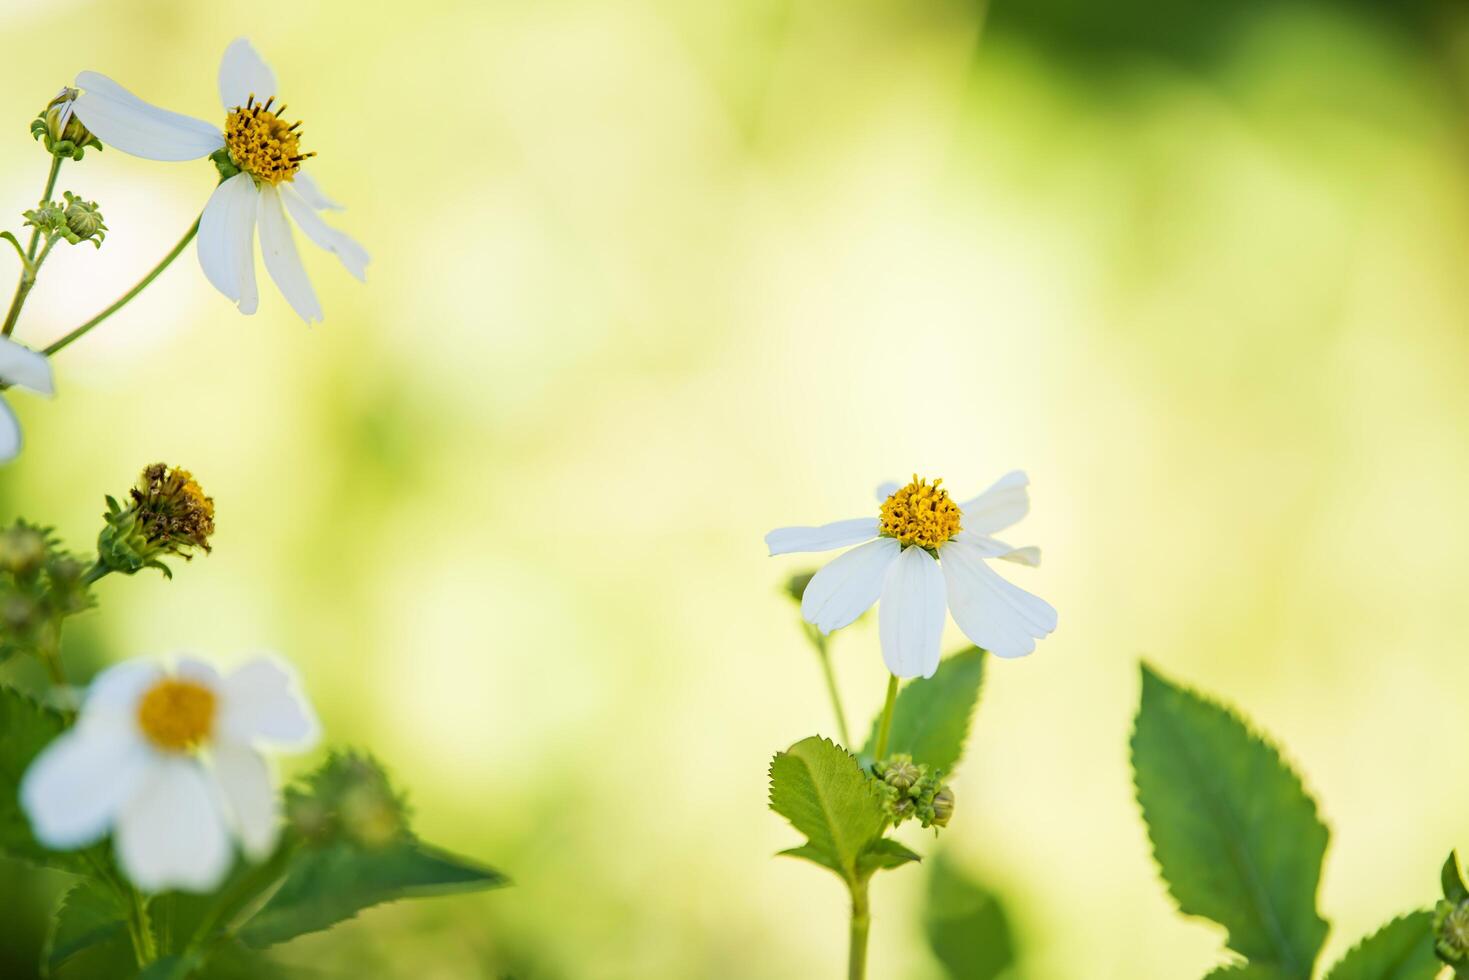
[920, 513]
[177, 714]
[262, 144]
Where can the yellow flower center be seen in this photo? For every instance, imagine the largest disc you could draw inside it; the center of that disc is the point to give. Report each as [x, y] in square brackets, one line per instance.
[177, 714]
[261, 143]
[920, 513]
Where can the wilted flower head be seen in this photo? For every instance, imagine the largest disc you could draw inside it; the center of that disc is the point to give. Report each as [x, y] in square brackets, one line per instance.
[170, 762]
[168, 515]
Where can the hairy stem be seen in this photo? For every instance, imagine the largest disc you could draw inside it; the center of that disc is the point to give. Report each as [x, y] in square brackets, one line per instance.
[127, 297]
[857, 944]
[885, 727]
[28, 273]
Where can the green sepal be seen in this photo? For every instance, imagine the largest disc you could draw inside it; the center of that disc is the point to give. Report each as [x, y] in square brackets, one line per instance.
[931, 716]
[1400, 950]
[1236, 837]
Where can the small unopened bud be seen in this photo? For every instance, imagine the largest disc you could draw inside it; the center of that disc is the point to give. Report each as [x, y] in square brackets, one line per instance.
[84, 221]
[168, 515]
[943, 806]
[1451, 931]
[22, 550]
[900, 773]
[62, 130]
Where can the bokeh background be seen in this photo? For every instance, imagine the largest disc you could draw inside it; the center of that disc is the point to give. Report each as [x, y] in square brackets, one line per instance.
[651, 277]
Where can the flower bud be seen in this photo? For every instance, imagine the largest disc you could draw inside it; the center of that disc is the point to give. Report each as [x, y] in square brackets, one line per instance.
[22, 550]
[1451, 931]
[943, 806]
[83, 221]
[349, 798]
[900, 773]
[62, 130]
[168, 515]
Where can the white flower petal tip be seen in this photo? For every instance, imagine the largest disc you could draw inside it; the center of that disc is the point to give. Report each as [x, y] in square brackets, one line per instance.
[10, 437]
[264, 703]
[243, 73]
[312, 193]
[827, 537]
[1030, 555]
[172, 834]
[19, 365]
[910, 614]
[352, 255]
[282, 261]
[73, 790]
[122, 120]
[1003, 504]
[997, 615]
[848, 585]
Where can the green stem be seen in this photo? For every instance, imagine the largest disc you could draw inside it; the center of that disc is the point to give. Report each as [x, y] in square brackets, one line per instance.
[128, 296]
[28, 272]
[96, 572]
[145, 947]
[49, 652]
[824, 654]
[886, 726]
[857, 945]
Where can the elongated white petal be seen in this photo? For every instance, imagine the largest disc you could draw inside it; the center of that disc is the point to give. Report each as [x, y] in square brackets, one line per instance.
[10, 438]
[227, 241]
[312, 193]
[339, 243]
[886, 490]
[75, 788]
[172, 834]
[243, 73]
[263, 702]
[282, 261]
[989, 547]
[848, 585]
[1004, 503]
[910, 615]
[121, 119]
[19, 365]
[838, 534]
[244, 779]
[115, 691]
[1001, 617]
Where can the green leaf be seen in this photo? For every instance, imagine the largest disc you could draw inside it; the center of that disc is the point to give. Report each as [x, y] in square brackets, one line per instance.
[1400, 950]
[1453, 880]
[326, 885]
[884, 854]
[966, 927]
[1247, 971]
[25, 729]
[90, 913]
[1235, 835]
[931, 716]
[821, 790]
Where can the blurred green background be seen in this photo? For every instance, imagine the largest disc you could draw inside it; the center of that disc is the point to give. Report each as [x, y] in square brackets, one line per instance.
[651, 277]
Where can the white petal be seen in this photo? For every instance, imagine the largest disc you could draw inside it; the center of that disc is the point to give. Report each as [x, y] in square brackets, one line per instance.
[243, 73]
[77, 785]
[278, 246]
[244, 779]
[1001, 505]
[312, 193]
[886, 490]
[19, 365]
[1001, 617]
[227, 241]
[121, 119]
[172, 833]
[848, 585]
[910, 616]
[115, 691]
[263, 701]
[10, 439]
[990, 547]
[201, 672]
[838, 534]
[339, 243]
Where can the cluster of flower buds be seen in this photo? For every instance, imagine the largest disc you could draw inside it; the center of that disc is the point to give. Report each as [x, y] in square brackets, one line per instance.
[168, 514]
[348, 799]
[911, 790]
[39, 585]
[73, 220]
[58, 127]
[1451, 919]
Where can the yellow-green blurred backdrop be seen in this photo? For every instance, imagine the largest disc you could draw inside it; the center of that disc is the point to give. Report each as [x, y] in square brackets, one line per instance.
[651, 277]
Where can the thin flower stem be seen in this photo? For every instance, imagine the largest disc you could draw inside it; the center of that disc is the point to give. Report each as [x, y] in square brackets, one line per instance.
[49, 652]
[885, 727]
[28, 272]
[820, 642]
[147, 947]
[128, 296]
[96, 572]
[857, 944]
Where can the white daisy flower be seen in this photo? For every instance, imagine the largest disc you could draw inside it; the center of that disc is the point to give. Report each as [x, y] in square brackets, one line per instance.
[923, 553]
[21, 366]
[170, 762]
[267, 151]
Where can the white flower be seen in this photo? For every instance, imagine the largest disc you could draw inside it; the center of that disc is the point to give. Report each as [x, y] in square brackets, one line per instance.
[922, 553]
[170, 762]
[271, 183]
[19, 365]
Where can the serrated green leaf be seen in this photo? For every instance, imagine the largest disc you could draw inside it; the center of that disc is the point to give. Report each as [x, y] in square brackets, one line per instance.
[1247, 971]
[90, 914]
[882, 855]
[25, 729]
[1400, 950]
[326, 885]
[821, 790]
[931, 716]
[1235, 835]
[966, 926]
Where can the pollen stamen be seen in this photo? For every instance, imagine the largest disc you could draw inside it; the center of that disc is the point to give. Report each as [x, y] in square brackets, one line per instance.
[177, 714]
[921, 514]
[261, 143]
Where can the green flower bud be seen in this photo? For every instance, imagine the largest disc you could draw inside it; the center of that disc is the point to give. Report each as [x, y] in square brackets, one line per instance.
[83, 221]
[1451, 931]
[900, 773]
[61, 129]
[169, 515]
[943, 807]
[22, 550]
[349, 798]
